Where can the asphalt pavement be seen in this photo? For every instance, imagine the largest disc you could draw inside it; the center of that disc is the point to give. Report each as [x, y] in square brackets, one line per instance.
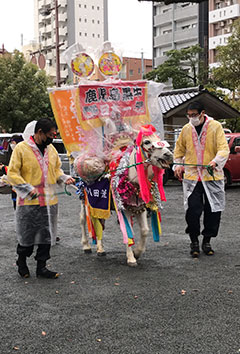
[169, 304]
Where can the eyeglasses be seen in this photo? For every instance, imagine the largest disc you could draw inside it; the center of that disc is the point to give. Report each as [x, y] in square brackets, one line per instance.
[194, 115]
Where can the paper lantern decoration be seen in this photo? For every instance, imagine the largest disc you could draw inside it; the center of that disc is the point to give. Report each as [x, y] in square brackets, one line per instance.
[82, 65]
[110, 64]
[89, 168]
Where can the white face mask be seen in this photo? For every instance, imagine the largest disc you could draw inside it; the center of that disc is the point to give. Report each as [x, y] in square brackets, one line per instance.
[12, 146]
[195, 121]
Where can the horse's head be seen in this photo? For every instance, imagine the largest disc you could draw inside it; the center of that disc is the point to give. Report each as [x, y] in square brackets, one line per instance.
[154, 148]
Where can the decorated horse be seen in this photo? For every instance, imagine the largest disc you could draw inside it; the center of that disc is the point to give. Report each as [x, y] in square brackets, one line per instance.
[135, 168]
[118, 155]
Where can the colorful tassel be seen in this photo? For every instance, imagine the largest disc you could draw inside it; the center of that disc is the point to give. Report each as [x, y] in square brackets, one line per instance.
[156, 226]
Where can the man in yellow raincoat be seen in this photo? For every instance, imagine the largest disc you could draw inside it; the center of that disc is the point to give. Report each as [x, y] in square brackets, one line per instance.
[201, 142]
[34, 170]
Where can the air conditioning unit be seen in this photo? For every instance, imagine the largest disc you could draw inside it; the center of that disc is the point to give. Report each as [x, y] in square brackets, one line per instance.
[222, 23]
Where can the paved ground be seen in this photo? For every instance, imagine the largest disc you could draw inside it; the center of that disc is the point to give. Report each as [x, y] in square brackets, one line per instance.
[169, 304]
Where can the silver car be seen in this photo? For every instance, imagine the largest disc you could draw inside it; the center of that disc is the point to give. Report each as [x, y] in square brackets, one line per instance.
[59, 146]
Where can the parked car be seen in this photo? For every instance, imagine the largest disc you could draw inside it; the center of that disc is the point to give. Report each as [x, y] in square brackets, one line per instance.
[59, 146]
[232, 167]
[5, 150]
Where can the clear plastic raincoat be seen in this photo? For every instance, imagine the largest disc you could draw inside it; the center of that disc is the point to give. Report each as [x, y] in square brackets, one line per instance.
[28, 169]
[194, 149]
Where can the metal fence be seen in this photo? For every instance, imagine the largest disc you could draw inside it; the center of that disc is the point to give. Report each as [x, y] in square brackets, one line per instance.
[171, 133]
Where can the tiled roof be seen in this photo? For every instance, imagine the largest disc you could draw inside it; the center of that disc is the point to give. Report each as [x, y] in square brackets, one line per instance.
[177, 101]
[174, 98]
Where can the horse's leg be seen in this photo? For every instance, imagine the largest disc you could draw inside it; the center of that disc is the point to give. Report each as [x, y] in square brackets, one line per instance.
[144, 230]
[85, 243]
[131, 260]
[99, 227]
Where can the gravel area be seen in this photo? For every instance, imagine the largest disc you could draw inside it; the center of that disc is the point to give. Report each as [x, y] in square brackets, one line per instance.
[169, 304]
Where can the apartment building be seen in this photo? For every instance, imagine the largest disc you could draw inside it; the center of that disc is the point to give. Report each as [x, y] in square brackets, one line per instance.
[222, 14]
[175, 26]
[79, 21]
[135, 68]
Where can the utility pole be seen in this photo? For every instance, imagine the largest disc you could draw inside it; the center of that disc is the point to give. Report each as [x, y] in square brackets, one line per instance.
[58, 74]
[203, 29]
[142, 59]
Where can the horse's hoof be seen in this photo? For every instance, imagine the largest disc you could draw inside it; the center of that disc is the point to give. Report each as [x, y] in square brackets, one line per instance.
[101, 254]
[87, 251]
[136, 255]
[132, 264]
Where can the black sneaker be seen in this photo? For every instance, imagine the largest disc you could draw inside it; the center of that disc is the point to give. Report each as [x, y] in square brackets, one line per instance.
[207, 249]
[46, 273]
[23, 268]
[195, 251]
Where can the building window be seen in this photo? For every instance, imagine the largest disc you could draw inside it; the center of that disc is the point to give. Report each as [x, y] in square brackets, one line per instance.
[139, 70]
[85, 34]
[167, 31]
[92, 21]
[98, 8]
[98, 22]
[166, 10]
[85, 20]
[80, 19]
[79, 5]
[98, 35]
[92, 7]
[93, 35]
[131, 72]
[185, 27]
[80, 33]
[85, 6]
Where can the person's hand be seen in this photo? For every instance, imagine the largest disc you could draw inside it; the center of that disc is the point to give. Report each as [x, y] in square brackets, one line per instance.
[178, 172]
[70, 180]
[212, 164]
[33, 194]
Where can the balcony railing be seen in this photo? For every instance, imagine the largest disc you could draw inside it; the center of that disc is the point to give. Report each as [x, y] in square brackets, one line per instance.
[163, 39]
[218, 40]
[225, 13]
[185, 35]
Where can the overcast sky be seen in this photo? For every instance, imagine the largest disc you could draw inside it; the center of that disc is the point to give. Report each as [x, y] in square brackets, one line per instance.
[130, 25]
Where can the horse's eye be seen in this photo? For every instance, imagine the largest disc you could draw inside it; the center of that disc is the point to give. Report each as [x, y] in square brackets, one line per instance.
[147, 142]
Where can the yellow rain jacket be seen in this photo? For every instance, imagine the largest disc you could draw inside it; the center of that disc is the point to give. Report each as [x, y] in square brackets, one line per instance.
[24, 170]
[216, 149]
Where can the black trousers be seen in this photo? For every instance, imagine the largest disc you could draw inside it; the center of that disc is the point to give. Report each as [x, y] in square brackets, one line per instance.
[197, 204]
[42, 254]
